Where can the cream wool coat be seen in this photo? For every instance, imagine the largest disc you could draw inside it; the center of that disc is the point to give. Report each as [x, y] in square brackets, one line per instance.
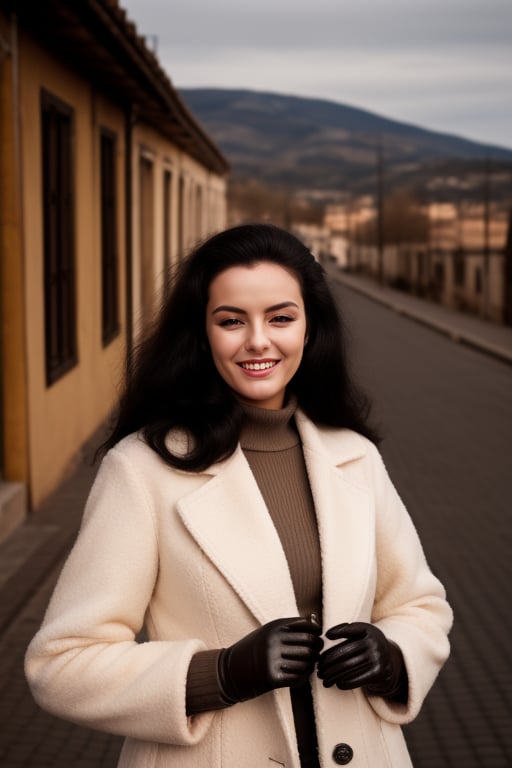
[196, 559]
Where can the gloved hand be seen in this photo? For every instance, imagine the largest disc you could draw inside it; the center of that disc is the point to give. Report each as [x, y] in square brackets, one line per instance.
[279, 654]
[364, 658]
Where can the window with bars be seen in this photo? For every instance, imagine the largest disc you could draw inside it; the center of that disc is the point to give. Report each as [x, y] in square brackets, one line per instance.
[109, 266]
[199, 212]
[459, 267]
[167, 217]
[181, 217]
[59, 247]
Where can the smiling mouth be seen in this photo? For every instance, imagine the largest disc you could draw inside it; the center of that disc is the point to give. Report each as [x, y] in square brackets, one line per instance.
[258, 366]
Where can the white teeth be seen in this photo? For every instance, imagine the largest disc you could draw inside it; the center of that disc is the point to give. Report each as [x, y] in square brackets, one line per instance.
[257, 366]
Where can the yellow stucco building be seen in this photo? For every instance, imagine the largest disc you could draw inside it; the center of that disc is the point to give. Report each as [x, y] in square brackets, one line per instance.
[106, 179]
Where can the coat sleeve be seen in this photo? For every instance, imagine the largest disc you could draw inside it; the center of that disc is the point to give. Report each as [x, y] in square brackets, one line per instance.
[85, 664]
[410, 604]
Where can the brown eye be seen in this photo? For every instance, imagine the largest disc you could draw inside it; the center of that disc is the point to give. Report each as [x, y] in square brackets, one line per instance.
[230, 322]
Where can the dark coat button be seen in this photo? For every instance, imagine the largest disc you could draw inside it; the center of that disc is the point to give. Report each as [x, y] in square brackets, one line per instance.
[342, 754]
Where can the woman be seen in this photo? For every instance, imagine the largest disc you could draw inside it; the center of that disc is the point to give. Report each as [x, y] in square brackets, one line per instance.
[243, 518]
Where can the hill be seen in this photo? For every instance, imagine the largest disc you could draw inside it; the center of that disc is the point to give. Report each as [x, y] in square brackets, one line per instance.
[318, 144]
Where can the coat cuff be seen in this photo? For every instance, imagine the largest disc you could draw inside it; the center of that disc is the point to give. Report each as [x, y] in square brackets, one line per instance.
[203, 686]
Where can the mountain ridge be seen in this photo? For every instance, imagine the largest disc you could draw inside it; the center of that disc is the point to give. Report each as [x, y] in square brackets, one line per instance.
[306, 141]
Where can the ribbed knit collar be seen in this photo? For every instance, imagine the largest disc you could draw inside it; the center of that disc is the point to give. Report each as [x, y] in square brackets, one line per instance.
[269, 430]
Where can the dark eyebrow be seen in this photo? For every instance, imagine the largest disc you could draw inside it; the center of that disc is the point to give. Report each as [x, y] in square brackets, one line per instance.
[238, 311]
[226, 308]
[283, 305]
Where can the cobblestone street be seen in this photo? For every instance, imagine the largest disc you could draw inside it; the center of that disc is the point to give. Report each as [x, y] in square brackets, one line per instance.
[445, 412]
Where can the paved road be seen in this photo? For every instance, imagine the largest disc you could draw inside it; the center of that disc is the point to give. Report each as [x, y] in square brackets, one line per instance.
[446, 414]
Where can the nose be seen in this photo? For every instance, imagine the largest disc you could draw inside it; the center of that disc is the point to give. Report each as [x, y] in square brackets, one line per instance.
[257, 340]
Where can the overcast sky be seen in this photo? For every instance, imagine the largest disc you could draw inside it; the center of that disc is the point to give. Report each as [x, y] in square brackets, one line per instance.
[440, 64]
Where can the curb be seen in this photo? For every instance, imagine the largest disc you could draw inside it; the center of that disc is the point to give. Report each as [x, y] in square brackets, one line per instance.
[466, 339]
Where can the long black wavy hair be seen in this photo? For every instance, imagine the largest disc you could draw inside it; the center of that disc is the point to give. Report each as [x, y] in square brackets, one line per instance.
[171, 381]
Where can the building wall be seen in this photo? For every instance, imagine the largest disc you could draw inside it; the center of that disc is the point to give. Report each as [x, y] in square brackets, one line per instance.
[450, 268]
[13, 426]
[195, 212]
[63, 415]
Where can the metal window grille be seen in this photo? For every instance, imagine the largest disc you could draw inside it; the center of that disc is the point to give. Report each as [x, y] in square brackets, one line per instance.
[109, 259]
[167, 202]
[59, 241]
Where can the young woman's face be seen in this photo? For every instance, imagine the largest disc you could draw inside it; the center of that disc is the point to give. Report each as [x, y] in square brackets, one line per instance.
[256, 326]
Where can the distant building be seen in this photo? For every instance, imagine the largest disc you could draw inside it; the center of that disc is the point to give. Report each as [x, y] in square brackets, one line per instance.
[468, 261]
[106, 179]
[323, 242]
[316, 238]
[460, 257]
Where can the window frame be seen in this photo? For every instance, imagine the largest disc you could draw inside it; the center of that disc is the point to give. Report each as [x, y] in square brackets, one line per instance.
[59, 256]
[110, 323]
[167, 182]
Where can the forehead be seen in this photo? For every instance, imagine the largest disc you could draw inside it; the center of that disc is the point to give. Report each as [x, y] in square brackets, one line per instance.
[263, 279]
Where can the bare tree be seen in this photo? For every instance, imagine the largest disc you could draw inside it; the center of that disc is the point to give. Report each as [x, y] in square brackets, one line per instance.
[403, 220]
[253, 200]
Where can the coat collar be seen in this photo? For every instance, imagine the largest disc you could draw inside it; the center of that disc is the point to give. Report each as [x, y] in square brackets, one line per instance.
[228, 518]
[333, 445]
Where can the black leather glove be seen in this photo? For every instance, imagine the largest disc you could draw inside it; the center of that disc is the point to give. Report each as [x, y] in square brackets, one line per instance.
[364, 658]
[279, 654]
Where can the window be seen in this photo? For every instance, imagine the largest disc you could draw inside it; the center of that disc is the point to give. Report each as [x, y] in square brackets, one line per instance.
[478, 280]
[439, 274]
[109, 272]
[167, 221]
[58, 233]
[422, 266]
[199, 212]
[191, 216]
[147, 237]
[181, 218]
[459, 267]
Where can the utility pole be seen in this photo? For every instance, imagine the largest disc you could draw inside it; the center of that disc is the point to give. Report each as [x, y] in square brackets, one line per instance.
[426, 276]
[349, 208]
[507, 287]
[487, 249]
[380, 210]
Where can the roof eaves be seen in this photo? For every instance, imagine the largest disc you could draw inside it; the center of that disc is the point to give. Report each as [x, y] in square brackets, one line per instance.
[97, 38]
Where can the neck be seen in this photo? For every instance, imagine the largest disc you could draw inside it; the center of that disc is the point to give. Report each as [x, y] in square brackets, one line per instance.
[264, 429]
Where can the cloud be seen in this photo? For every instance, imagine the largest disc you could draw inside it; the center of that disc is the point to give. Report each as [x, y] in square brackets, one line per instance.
[327, 23]
[446, 66]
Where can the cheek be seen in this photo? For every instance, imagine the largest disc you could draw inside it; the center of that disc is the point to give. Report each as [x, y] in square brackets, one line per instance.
[220, 345]
[300, 340]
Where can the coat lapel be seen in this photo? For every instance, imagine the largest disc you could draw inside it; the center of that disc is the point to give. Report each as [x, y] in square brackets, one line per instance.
[228, 518]
[344, 516]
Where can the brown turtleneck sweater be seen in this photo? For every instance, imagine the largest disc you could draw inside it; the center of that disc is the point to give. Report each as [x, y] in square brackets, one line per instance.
[272, 447]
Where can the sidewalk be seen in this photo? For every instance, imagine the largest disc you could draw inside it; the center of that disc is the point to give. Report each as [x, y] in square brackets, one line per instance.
[32, 550]
[30, 560]
[472, 331]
